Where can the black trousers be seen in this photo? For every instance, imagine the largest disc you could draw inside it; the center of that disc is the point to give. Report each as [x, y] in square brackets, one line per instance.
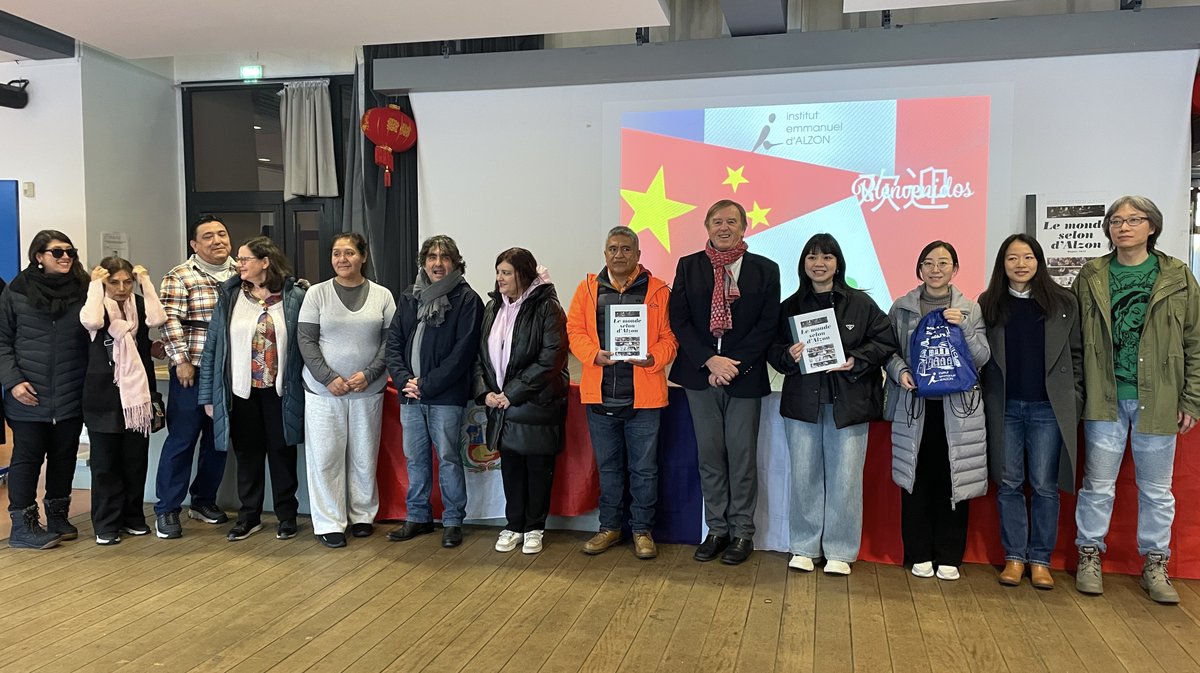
[118, 463]
[256, 427]
[57, 444]
[527, 484]
[931, 530]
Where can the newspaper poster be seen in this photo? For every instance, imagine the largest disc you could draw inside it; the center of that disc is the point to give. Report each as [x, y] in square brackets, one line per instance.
[1070, 228]
[818, 331]
[626, 333]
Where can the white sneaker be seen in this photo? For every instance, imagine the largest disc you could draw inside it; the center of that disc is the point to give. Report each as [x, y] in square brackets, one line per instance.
[533, 542]
[508, 540]
[948, 573]
[799, 562]
[837, 568]
[923, 569]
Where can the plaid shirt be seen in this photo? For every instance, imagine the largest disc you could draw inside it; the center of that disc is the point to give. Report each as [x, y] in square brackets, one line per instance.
[188, 293]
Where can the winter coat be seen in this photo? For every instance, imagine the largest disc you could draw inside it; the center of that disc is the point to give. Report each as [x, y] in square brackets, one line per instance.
[1064, 387]
[966, 434]
[1168, 354]
[48, 352]
[649, 383]
[216, 381]
[866, 335]
[447, 350]
[536, 380]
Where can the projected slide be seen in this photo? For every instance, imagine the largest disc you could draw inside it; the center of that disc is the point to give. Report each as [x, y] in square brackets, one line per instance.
[884, 177]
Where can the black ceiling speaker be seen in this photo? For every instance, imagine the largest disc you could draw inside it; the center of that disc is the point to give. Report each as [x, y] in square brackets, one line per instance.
[13, 94]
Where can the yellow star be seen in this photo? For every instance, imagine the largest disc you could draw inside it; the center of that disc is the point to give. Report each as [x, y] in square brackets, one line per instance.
[735, 178]
[653, 210]
[758, 216]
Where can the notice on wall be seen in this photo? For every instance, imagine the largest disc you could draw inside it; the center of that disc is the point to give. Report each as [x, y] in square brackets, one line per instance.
[114, 244]
[1070, 228]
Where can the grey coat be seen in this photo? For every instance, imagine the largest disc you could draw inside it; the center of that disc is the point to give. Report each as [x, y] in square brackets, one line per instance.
[1064, 387]
[966, 437]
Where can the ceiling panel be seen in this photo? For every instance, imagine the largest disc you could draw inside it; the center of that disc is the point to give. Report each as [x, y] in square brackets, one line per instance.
[152, 28]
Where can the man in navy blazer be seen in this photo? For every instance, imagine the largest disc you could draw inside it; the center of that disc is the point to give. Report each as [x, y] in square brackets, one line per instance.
[723, 331]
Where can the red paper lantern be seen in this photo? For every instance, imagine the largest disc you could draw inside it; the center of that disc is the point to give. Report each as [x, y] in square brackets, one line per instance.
[392, 131]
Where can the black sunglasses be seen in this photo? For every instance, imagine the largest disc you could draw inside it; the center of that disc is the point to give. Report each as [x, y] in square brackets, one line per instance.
[59, 252]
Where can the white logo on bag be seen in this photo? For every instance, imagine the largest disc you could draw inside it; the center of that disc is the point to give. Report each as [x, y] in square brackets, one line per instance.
[939, 360]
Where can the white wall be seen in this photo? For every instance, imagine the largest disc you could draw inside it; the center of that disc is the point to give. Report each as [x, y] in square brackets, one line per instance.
[131, 159]
[43, 144]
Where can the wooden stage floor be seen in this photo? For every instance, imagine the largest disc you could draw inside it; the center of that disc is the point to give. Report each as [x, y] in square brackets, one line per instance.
[203, 604]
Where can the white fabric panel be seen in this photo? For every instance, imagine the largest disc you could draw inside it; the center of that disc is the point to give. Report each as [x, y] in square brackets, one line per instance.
[538, 167]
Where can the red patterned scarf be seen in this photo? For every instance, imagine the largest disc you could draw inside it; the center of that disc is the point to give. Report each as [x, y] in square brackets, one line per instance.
[720, 318]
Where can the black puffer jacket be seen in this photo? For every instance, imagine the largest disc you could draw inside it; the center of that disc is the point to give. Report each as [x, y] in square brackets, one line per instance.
[866, 336]
[50, 352]
[535, 381]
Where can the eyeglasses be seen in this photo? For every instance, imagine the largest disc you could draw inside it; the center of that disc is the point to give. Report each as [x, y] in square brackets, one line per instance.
[930, 265]
[244, 260]
[59, 252]
[1135, 221]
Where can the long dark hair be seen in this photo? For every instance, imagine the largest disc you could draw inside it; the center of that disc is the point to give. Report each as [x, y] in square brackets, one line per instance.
[994, 301]
[44, 238]
[822, 244]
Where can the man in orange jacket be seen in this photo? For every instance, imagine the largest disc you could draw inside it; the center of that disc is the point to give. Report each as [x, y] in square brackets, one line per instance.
[624, 397]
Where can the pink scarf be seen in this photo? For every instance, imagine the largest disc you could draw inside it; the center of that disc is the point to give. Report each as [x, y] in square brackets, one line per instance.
[500, 338]
[128, 371]
[720, 317]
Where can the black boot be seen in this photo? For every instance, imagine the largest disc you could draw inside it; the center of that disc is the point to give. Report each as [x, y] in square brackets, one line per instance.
[57, 510]
[27, 531]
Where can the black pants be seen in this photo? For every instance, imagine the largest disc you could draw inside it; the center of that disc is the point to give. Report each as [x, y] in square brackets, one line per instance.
[527, 484]
[118, 462]
[256, 427]
[33, 442]
[931, 530]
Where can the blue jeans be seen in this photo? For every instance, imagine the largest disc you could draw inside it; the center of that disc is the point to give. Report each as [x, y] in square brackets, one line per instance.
[631, 444]
[187, 422]
[1032, 449]
[825, 517]
[439, 425]
[1154, 465]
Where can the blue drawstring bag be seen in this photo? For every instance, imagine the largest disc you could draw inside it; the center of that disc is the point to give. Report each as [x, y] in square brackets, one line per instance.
[939, 358]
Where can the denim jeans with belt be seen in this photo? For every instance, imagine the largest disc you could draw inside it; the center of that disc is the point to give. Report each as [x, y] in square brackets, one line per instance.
[1154, 465]
[1032, 450]
[626, 446]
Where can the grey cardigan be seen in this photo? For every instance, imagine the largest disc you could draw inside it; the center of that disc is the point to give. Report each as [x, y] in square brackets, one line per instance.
[966, 437]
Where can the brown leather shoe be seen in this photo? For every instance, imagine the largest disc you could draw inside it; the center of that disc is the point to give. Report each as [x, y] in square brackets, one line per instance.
[1040, 577]
[643, 546]
[601, 541]
[1012, 573]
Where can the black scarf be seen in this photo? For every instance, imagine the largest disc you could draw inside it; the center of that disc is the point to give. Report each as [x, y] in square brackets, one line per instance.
[49, 293]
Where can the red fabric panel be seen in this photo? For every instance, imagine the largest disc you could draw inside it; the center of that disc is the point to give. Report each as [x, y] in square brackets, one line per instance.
[576, 480]
[881, 515]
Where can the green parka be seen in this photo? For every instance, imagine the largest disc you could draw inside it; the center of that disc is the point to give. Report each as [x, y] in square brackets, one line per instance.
[1168, 354]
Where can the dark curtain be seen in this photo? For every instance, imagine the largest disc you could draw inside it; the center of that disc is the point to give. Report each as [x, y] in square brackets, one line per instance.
[387, 217]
